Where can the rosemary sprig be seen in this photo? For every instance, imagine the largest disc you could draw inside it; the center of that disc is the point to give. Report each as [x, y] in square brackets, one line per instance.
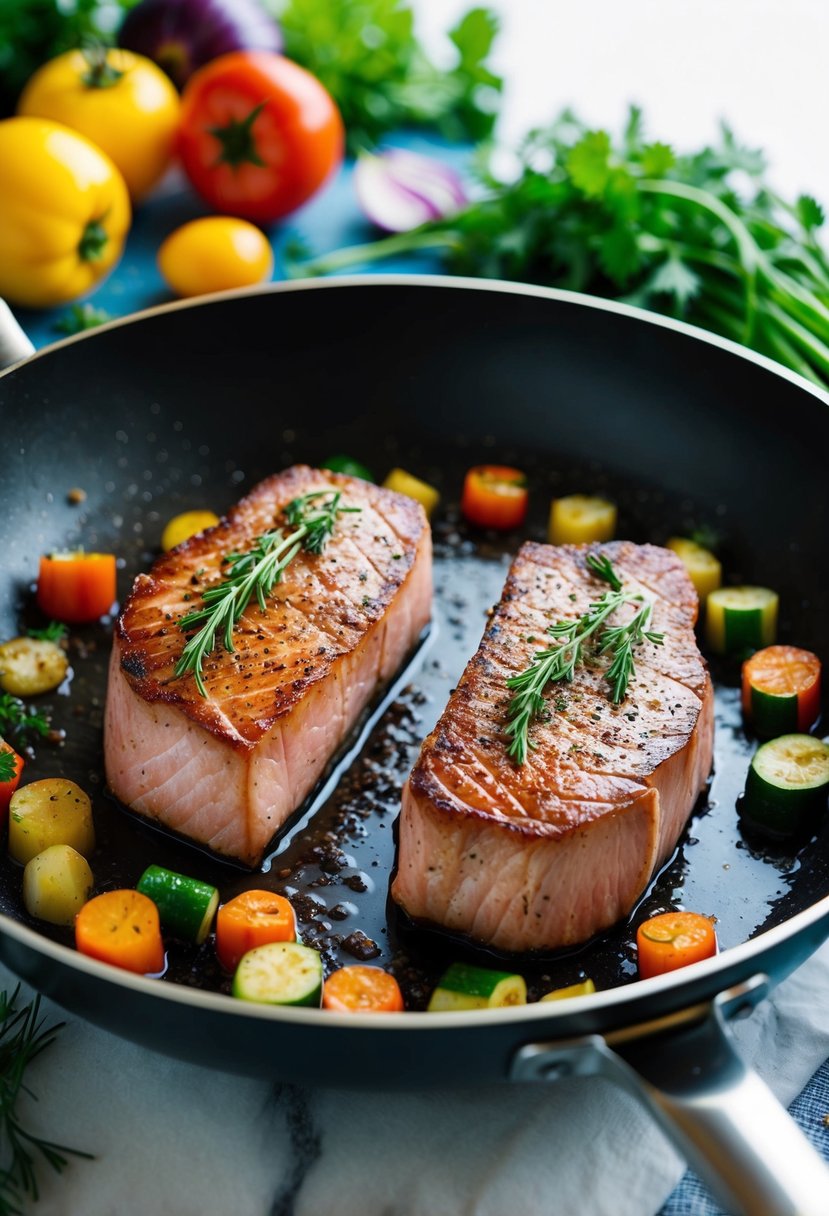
[23, 1037]
[313, 518]
[571, 638]
[21, 723]
[53, 632]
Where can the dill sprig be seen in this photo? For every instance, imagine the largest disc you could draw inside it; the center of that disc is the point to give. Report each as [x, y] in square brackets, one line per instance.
[23, 1037]
[55, 631]
[21, 723]
[256, 572]
[572, 637]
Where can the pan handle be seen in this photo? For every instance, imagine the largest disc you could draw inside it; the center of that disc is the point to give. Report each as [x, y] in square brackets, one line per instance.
[14, 345]
[722, 1118]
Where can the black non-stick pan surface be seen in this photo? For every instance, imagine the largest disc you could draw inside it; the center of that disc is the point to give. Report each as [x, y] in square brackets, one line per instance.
[189, 406]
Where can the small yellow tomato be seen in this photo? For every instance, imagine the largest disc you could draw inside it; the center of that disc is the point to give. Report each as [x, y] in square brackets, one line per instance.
[121, 101]
[181, 527]
[64, 213]
[215, 254]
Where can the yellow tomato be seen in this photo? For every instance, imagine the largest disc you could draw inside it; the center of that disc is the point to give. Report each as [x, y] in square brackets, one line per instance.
[64, 213]
[215, 254]
[181, 527]
[121, 101]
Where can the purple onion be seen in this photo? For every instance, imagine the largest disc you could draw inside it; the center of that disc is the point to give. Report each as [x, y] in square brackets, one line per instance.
[182, 35]
[400, 190]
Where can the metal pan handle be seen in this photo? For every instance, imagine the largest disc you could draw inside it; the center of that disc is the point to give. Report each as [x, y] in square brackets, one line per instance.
[14, 345]
[723, 1119]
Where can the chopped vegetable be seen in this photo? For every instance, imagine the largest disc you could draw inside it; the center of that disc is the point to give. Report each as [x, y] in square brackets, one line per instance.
[404, 483]
[359, 989]
[181, 527]
[704, 569]
[122, 102]
[182, 35]
[398, 190]
[79, 318]
[29, 666]
[56, 884]
[463, 986]
[22, 723]
[495, 496]
[52, 811]
[672, 940]
[585, 988]
[738, 619]
[580, 519]
[64, 213]
[186, 906]
[787, 784]
[76, 587]
[348, 466]
[781, 690]
[280, 973]
[11, 766]
[121, 928]
[259, 135]
[252, 919]
[215, 253]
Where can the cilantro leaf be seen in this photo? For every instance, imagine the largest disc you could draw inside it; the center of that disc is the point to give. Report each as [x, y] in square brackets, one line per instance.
[674, 278]
[657, 159]
[809, 212]
[588, 162]
[8, 767]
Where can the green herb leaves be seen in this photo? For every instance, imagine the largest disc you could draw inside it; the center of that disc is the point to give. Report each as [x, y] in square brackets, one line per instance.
[255, 573]
[8, 767]
[572, 639]
[21, 724]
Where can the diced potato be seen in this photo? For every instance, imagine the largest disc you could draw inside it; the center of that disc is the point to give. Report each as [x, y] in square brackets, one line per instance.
[579, 519]
[703, 567]
[181, 527]
[404, 483]
[29, 666]
[43, 813]
[56, 884]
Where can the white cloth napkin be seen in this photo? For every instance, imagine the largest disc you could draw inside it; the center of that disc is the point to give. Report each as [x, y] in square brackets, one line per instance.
[172, 1138]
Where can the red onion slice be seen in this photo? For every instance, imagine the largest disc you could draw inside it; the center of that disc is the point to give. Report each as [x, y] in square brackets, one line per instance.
[399, 190]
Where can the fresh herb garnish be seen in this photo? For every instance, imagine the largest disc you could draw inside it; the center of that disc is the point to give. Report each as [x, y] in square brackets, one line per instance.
[8, 767]
[21, 723]
[79, 318]
[55, 631]
[572, 638]
[256, 573]
[23, 1037]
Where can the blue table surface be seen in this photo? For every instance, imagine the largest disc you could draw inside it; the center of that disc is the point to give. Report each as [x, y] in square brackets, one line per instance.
[330, 221]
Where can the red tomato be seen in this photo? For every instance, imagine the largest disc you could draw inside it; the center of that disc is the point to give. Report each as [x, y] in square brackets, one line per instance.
[76, 587]
[259, 135]
[495, 496]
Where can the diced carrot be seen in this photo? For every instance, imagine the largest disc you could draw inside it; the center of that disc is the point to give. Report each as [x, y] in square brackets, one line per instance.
[76, 587]
[121, 928]
[781, 690]
[252, 919]
[362, 990]
[495, 496]
[672, 940]
[11, 766]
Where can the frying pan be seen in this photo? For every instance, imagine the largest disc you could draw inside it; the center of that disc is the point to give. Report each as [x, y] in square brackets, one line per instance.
[187, 405]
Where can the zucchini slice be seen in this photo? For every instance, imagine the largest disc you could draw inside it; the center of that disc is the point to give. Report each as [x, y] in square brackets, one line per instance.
[465, 987]
[585, 988]
[738, 619]
[704, 569]
[787, 783]
[185, 905]
[580, 519]
[781, 690]
[280, 973]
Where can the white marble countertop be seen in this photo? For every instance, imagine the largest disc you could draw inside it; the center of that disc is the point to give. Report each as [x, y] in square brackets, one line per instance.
[174, 1138]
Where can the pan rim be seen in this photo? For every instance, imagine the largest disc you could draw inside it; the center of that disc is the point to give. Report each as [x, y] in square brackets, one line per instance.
[601, 1002]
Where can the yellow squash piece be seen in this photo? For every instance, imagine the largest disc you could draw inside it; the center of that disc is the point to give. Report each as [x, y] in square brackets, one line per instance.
[64, 213]
[703, 567]
[29, 666]
[43, 813]
[585, 988]
[404, 483]
[580, 519]
[56, 884]
[181, 527]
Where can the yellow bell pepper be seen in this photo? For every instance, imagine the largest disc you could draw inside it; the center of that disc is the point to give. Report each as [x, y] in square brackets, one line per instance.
[64, 213]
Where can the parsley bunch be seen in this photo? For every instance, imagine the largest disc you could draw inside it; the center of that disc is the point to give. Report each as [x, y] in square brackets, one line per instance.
[700, 236]
[367, 55]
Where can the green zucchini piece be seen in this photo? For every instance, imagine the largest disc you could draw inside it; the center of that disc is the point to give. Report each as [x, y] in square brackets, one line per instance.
[348, 466]
[186, 906]
[280, 973]
[465, 987]
[740, 619]
[787, 783]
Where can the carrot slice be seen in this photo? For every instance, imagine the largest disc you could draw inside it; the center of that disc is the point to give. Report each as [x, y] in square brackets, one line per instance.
[252, 919]
[362, 990]
[76, 587]
[121, 928]
[673, 940]
[781, 690]
[495, 496]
